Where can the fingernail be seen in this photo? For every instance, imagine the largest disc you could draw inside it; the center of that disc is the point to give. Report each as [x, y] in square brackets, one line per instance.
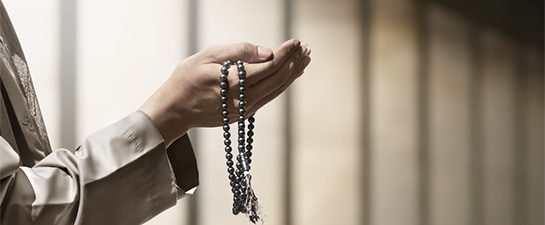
[264, 52]
[296, 42]
[304, 50]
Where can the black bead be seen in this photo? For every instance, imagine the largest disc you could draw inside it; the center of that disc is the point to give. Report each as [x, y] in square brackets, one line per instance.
[248, 153]
[241, 118]
[227, 142]
[240, 66]
[249, 161]
[241, 111]
[223, 99]
[228, 156]
[250, 140]
[228, 149]
[250, 133]
[229, 163]
[239, 158]
[242, 104]
[239, 165]
[238, 173]
[242, 89]
[223, 78]
[223, 84]
[242, 96]
[232, 177]
[224, 106]
[242, 82]
[225, 120]
[230, 170]
[241, 125]
[223, 92]
[226, 128]
[241, 132]
[242, 73]
[251, 126]
[251, 119]
[243, 184]
[235, 211]
[241, 140]
[224, 69]
[226, 135]
[227, 63]
[225, 113]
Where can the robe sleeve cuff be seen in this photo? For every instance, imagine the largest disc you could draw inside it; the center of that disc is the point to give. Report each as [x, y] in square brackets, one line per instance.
[180, 153]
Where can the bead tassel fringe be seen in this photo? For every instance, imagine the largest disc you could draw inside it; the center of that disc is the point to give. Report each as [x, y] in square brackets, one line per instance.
[253, 209]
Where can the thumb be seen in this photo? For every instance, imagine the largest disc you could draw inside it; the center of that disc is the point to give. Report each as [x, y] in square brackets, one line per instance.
[245, 51]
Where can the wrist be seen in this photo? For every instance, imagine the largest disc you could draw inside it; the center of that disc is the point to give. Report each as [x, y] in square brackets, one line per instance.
[170, 125]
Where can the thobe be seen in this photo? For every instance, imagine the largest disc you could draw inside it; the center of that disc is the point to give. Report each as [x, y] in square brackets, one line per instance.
[122, 174]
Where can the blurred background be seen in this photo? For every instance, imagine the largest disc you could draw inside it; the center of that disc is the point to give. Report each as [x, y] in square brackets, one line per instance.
[413, 112]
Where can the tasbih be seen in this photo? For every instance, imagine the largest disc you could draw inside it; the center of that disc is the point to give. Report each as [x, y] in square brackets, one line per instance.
[244, 199]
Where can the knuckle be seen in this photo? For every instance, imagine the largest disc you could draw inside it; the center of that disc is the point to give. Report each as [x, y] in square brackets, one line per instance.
[247, 49]
[245, 45]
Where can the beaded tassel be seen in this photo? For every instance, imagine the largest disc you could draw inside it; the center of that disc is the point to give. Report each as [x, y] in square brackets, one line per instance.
[244, 199]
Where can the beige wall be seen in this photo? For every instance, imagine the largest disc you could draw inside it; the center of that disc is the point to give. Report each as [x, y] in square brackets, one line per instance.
[387, 128]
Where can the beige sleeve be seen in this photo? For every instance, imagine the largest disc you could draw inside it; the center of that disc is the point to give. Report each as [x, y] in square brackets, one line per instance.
[122, 174]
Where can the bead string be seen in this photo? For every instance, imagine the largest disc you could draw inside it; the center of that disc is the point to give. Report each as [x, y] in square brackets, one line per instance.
[244, 199]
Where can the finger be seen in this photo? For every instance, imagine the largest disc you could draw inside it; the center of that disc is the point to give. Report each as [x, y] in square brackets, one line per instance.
[260, 71]
[272, 83]
[244, 51]
[253, 108]
[307, 48]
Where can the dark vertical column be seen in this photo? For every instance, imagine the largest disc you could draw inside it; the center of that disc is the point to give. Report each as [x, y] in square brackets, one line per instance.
[365, 9]
[498, 132]
[519, 155]
[288, 128]
[423, 111]
[476, 128]
[534, 113]
[193, 44]
[193, 35]
[67, 76]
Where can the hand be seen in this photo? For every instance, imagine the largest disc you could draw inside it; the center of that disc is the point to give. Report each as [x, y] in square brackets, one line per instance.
[190, 97]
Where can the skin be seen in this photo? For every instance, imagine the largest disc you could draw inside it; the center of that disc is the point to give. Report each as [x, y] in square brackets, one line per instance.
[190, 97]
